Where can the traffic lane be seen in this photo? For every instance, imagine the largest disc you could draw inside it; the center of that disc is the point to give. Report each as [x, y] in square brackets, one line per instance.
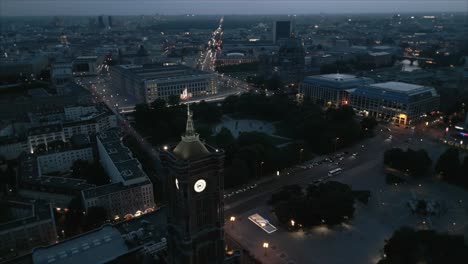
[260, 195]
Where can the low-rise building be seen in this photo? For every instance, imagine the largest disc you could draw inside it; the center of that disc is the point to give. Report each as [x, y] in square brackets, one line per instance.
[30, 224]
[58, 191]
[131, 191]
[146, 83]
[86, 65]
[61, 159]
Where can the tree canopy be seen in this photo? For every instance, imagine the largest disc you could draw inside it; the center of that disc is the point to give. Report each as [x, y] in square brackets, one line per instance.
[329, 203]
[414, 162]
[408, 246]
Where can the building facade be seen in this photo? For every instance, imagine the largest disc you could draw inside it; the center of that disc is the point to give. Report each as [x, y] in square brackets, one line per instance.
[146, 83]
[62, 160]
[330, 89]
[397, 102]
[195, 187]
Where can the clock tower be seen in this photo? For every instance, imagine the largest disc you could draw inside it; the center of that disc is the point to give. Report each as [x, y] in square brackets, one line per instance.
[194, 184]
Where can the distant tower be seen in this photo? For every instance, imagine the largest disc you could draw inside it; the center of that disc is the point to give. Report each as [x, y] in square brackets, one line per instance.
[101, 22]
[109, 20]
[281, 30]
[195, 188]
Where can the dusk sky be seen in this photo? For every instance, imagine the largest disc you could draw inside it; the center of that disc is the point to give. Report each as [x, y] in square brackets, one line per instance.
[136, 7]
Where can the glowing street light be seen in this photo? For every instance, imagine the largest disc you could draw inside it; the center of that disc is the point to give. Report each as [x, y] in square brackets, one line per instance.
[232, 219]
[261, 168]
[293, 223]
[265, 246]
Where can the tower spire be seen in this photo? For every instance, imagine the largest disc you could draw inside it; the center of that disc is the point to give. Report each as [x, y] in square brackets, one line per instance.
[190, 134]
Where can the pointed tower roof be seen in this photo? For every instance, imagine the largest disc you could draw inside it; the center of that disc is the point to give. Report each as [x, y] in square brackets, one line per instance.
[190, 146]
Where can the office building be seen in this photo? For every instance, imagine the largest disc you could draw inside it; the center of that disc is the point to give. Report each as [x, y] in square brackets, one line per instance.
[29, 224]
[195, 187]
[330, 89]
[146, 83]
[396, 102]
[291, 59]
[281, 30]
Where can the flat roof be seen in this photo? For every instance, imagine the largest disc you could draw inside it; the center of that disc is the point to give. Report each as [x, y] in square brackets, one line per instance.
[39, 211]
[337, 80]
[159, 72]
[97, 246]
[398, 86]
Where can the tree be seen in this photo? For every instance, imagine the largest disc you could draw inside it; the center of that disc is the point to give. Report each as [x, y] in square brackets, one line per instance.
[329, 203]
[368, 124]
[95, 217]
[224, 138]
[448, 165]
[207, 112]
[158, 104]
[408, 246]
[173, 100]
[464, 172]
[415, 163]
[93, 173]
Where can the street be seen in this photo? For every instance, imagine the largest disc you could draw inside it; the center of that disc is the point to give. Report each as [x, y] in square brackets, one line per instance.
[361, 240]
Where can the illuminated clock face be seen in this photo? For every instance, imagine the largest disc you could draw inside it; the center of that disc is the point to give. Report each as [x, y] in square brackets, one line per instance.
[200, 185]
[177, 183]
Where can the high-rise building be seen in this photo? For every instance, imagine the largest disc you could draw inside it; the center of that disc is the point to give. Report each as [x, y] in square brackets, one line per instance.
[101, 22]
[281, 30]
[109, 20]
[195, 190]
[291, 60]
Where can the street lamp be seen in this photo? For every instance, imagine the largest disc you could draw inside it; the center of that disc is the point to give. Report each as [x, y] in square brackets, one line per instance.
[232, 219]
[293, 223]
[336, 142]
[261, 168]
[265, 246]
[300, 155]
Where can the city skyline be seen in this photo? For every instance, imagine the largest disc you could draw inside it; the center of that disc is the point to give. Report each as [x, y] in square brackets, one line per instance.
[144, 7]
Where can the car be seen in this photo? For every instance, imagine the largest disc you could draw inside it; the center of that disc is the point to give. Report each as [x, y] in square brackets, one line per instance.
[355, 154]
[342, 158]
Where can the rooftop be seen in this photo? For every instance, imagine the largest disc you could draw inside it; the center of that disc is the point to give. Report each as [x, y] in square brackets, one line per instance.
[40, 211]
[108, 242]
[99, 245]
[30, 175]
[337, 80]
[396, 91]
[190, 146]
[398, 86]
[158, 71]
